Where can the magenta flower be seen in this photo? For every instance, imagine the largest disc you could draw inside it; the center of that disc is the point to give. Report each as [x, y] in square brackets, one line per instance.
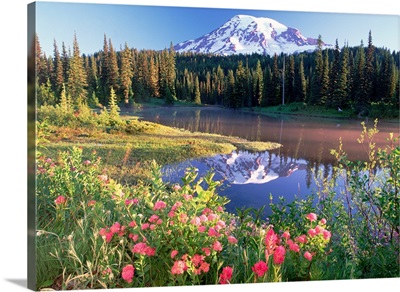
[153, 218]
[271, 242]
[201, 229]
[260, 268]
[212, 232]
[205, 267]
[145, 226]
[132, 224]
[312, 232]
[226, 275]
[312, 217]
[279, 255]
[301, 239]
[327, 235]
[286, 235]
[308, 256]
[127, 273]
[206, 251]
[115, 228]
[197, 260]
[322, 221]
[294, 247]
[159, 205]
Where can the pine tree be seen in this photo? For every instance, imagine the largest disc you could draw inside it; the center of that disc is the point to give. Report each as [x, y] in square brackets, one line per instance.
[325, 88]
[77, 81]
[92, 78]
[126, 73]
[276, 93]
[300, 82]
[104, 68]
[369, 70]
[197, 99]
[65, 62]
[58, 71]
[114, 108]
[316, 81]
[358, 88]
[334, 74]
[230, 89]
[259, 84]
[240, 90]
[290, 80]
[340, 86]
[113, 71]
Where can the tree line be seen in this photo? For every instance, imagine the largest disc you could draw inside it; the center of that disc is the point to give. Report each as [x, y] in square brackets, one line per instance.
[339, 77]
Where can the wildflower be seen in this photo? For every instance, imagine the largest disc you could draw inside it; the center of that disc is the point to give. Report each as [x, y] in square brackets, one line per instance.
[312, 232]
[121, 231]
[159, 205]
[187, 197]
[220, 209]
[153, 218]
[271, 241]
[134, 237]
[103, 177]
[143, 249]
[183, 218]
[217, 246]
[226, 275]
[308, 256]
[131, 201]
[212, 217]
[174, 253]
[150, 251]
[311, 216]
[327, 235]
[177, 187]
[106, 271]
[301, 239]
[232, 240]
[322, 221]
[294, 247]
[201, 229]
[260, 268]
[213, 232]
[220, 225]
[109, 236]
[319, 229]
[195, 221]
[152, 227]
[60, 200]
[91, 203]
[176, 206]
[159, 222]
[127, 273]
[86, 162]
[115, 228]
[197, 260]
[205, 267]
[178, 268]
[132, 224]
[203, 218]
[206, 211]
[171, 214]
[206, 251]
[145, 226]
[286, 235]
[103, 232]
[279, 255]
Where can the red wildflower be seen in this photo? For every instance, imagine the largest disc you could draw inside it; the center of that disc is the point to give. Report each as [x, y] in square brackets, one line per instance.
[271, 242]
[206, 251]
[226, 275]
[312, 232]
[327, 234]
[294, 247]
[286, 235]
[91, 203]
[132, 224]
[174, 253]
[115, 228]
[279, 255]
[178, 268]
[197, 260]
[109, 236]
[153, 218]
[260, 268]
[205, 267]
[212, 232]
[301, 239]
[127, 273]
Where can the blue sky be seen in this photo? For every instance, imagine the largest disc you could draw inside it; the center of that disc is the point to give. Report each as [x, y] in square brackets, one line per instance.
[154, 27]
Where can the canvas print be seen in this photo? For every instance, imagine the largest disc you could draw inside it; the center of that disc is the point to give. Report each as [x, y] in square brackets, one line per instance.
[178, 146]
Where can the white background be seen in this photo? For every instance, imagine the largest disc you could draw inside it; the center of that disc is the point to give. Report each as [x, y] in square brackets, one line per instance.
[13, 191]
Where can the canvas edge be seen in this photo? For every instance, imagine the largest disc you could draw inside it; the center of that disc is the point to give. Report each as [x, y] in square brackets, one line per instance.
[31, 148]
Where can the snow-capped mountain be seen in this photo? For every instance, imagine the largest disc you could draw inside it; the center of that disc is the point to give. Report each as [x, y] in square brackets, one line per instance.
[244, 34]
[240, 167]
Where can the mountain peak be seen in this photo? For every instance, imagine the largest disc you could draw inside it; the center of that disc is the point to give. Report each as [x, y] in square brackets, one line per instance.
[246, 34]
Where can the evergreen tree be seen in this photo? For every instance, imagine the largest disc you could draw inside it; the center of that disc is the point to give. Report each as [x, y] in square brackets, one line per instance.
[300, 82]
[92, 77]
[58, 71]
[340, 86]
[276, 94]
[126, 73]
[114, 108]
[230, 89]
[325, 88]
[316, 81]
[258, 84]
[359, 91]
[65, 62]
[113, 71]
[77, 82]
[290, 81]
[197, 99]
[334, 74]
[240, 90]
[104, 67]
[369, 70]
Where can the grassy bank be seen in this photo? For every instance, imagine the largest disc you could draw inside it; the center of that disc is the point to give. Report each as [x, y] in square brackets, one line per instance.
[128, 145]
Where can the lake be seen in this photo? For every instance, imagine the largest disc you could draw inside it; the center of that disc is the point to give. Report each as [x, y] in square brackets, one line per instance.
[250, 178]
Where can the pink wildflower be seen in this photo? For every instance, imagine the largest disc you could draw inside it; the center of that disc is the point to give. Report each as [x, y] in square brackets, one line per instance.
[145, 226]
[319, 229]
[201, 229]
[115, 228]
[171, 214]
[220, 225]
[127, 273]
[159, 205]
[226, 275]
[91, 203]
[220, 209]
[308, 256]
[322, 221]
[60, 200]
[312, 232]
[103, 232]
[152, 226]
[183, 218]
[279, 255]
[271, 242]
[177, 187]
[212, 217]
[286, 235]
[174, 253]
[217, 246]
[327, 235]
[195, 221]
[311, 216]
[132, 224]
[109, 236]
[206, 251]
[232, 240]
[301, 239]
[86, 162]
[294, 247]
[131, 201]
[197, 260]
[187, 197]
[206, 211]
[203, 218]
[212, 232]
[159, 222]
[153, 218]
[178, 268]
[205, 267]
[176, 206]
[260, 268]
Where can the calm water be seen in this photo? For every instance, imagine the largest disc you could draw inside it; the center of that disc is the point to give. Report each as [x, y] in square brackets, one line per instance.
[250, 178]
